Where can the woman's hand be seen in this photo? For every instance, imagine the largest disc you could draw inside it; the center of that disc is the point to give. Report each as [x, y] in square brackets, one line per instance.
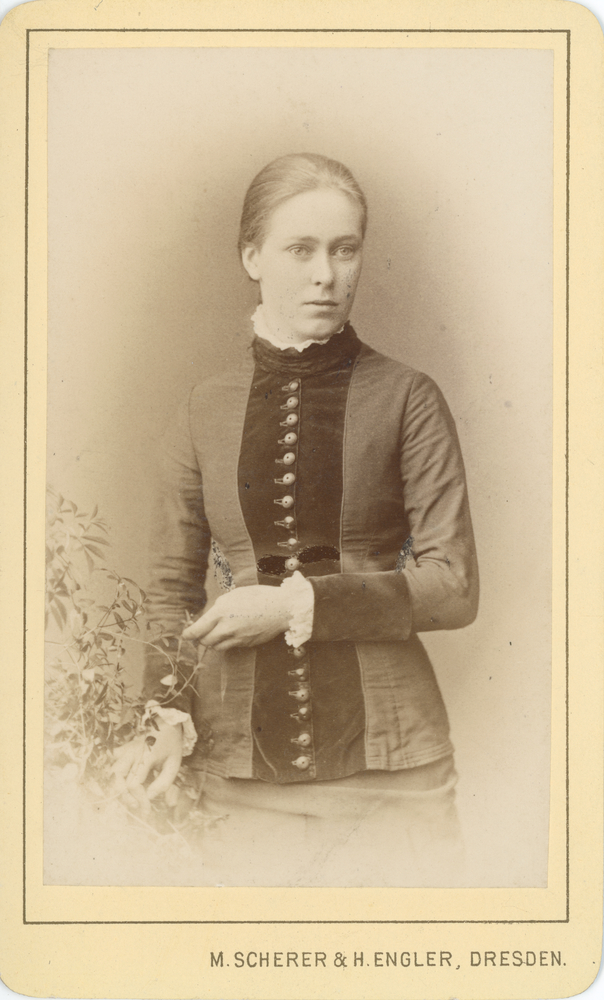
[245, 617]
[160, 749]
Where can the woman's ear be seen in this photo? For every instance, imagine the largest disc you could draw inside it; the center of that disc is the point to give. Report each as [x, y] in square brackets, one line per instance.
[249, 257]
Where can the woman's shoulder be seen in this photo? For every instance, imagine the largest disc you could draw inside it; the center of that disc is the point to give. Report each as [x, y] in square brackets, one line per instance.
[236, 370]
[374, 364]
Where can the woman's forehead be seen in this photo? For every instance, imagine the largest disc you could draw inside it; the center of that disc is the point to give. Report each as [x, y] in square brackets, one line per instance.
[320, 210]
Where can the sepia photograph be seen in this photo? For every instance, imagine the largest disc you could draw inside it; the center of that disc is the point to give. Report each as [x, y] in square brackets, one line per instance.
[299, 389]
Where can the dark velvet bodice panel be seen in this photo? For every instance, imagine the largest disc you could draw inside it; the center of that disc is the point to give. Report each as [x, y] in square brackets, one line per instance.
[317, 490]
[334, 717]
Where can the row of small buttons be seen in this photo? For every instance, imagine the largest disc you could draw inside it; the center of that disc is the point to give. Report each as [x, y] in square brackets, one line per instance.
[301, 693]
[289, 478]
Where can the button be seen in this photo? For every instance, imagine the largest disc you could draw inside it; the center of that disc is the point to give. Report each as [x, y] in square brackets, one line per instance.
[288, 459]
[286, 522]
[302, 694]
[291, 386]
[299, 672]
[292, 541]
[293, 562]
[290, 403]
[287, 480]
[302, 763]
[299, 652]
[303, 714]
[303, 740]
[290, 438]
[290, 421]
[286, 502]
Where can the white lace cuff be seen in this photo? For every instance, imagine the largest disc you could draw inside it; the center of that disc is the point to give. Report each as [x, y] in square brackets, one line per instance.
[174, 717]
[301, 600]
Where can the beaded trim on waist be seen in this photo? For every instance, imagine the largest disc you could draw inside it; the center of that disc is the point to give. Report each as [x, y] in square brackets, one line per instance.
[338, 353]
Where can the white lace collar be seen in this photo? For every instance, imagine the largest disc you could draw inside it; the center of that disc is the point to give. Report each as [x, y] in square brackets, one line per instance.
[261, 330]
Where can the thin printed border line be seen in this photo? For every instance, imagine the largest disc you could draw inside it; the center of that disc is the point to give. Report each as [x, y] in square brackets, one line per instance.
[401, 31]
[25, 454]
[332, 31]
[304, 922]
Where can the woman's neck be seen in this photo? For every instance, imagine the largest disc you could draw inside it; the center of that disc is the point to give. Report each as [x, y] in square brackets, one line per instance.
[261, 329]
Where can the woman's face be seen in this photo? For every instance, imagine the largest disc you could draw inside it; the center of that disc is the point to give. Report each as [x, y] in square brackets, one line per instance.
[309, 264]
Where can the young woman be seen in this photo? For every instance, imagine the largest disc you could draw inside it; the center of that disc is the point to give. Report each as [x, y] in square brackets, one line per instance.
[325, 483]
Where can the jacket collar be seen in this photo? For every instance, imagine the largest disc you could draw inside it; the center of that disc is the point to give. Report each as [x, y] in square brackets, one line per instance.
[339, 352]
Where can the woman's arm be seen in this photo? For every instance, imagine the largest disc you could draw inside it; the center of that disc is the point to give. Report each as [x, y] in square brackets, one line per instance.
[438, 586]
[180, 542]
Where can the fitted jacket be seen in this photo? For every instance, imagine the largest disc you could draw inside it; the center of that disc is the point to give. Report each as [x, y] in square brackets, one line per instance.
[345, 465]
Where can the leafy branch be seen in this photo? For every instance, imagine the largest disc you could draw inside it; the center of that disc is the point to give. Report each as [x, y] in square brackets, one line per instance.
[92, 614]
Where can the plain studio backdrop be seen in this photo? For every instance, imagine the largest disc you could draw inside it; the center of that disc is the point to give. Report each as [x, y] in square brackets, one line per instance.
[150, 153]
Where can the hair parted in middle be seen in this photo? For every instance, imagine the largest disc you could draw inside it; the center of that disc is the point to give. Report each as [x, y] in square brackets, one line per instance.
[283, 179]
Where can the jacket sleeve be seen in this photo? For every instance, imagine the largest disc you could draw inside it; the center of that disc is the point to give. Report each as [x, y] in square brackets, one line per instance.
[435, 583]
[180, 543]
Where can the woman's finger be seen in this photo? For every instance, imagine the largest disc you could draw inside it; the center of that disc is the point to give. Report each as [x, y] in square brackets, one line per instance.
[166, 777]
[202, 626]
[139, 793]
[127, 757]
[229, 643]
[129, 800]
[141, 769]
[224, 629]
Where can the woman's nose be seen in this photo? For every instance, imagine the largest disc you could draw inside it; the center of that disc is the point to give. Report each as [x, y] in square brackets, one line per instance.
[322, 270]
